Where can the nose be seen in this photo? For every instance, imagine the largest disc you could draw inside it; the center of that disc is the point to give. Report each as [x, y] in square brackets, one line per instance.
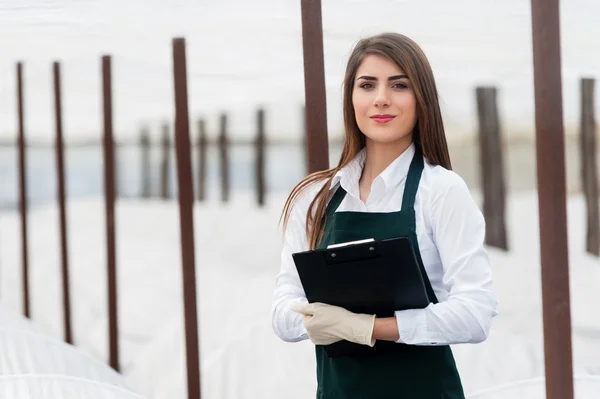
[382, 99]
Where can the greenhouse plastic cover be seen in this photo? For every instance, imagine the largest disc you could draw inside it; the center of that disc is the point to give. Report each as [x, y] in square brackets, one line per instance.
[585, 386]
[36, 366]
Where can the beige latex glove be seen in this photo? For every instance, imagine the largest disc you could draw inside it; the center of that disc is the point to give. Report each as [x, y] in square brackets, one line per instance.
[327, 324]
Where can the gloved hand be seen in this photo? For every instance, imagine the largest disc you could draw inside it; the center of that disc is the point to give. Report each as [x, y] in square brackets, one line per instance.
[327, 324]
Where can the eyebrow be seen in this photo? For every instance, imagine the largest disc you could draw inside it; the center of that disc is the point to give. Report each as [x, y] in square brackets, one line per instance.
[390, 78]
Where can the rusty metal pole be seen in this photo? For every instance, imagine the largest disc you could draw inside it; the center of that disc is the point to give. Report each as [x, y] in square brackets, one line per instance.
[224, 158]
[145, 150]
[202, 144]
[589, 175]
[260, 157]
[492, 167]
[314, 87]
[552, 198]
[23, 191]
[164, 164]
[186, 217]
[60, 172]
[109, 187]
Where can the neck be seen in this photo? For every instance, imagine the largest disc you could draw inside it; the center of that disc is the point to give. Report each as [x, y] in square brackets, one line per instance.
[379, 156]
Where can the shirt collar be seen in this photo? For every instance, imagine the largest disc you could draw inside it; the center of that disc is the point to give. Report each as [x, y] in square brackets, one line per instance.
[398, 169]
[349, 175]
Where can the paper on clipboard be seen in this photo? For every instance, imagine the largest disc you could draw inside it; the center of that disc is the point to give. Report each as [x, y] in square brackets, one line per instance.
[344, 244]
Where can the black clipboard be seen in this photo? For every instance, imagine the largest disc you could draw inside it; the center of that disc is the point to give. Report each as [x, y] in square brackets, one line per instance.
[376, 277]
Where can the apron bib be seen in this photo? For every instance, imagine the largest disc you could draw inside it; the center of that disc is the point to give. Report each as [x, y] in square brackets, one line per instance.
[402, 371]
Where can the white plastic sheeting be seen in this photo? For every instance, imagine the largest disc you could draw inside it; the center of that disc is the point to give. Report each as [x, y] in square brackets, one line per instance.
[241, 358]
[586, 387]
[36, 366]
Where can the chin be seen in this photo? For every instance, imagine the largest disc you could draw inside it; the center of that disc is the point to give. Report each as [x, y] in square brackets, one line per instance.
[387, 138]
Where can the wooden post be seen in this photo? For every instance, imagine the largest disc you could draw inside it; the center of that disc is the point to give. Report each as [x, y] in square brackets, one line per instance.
[589, 174]
[23, 190]
[60, 172]
[260, 157]
[314, 86]
[201, 144]
[109, 187]
[116, 169]
[164, 165]
[492, 168]
[550, 150]
[224, 159]
[145, 150]
[304, 143]
[186, 217]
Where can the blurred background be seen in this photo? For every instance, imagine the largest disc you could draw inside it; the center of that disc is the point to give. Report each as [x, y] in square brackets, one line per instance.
[241, 57]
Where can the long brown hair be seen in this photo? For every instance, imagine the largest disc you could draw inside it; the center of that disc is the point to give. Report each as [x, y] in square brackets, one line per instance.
[428, 133]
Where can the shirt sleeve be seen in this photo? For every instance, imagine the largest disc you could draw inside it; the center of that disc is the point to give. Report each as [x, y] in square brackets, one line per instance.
[458, 229]
[287, 324]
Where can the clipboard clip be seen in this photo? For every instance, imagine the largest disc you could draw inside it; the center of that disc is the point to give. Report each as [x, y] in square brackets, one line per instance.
[351, 253]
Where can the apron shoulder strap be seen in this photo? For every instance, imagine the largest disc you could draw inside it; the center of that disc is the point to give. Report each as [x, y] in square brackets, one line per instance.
[412, 180]
[332, 206]
[335, 201]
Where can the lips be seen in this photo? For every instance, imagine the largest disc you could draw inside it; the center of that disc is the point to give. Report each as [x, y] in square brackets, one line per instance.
[382, 118]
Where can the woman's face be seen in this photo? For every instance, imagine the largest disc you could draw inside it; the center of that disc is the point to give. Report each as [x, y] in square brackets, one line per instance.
[384, 101]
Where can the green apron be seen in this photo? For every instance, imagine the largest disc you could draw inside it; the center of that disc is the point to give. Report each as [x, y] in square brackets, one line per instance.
[403, 371]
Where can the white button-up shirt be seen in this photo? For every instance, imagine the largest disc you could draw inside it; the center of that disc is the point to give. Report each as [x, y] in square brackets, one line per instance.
[450, 231]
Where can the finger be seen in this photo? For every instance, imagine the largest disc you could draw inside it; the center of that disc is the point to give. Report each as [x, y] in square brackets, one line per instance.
[303, 308]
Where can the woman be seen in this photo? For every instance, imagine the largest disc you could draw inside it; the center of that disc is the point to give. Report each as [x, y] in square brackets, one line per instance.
[394, 179]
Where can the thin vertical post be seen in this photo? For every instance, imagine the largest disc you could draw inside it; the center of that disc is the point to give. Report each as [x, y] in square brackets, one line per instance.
[260, 157]
[145, 149]
[492, 167]
[552, 198]
[60, 171]
[23, 190]
[109, 188]
[164, 165]
[186, 217]
[314, 86]
[589, 174]
[224, 159]
[304, 143]
[202, 144]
